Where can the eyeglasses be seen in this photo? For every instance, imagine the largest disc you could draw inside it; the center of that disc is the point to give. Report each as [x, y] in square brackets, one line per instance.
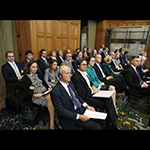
[10, 56]
[84, 64]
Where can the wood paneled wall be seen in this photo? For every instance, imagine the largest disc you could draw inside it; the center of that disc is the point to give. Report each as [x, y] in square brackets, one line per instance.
[106, 24]
[47, 34]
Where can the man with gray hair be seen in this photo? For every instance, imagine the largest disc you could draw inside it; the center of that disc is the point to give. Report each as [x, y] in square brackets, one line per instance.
[70, 107]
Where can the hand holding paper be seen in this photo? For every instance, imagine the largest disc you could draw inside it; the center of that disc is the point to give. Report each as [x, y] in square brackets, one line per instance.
[94, 114]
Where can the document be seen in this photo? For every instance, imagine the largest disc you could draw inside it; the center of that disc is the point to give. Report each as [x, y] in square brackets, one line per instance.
[103, 93]
[94, 114]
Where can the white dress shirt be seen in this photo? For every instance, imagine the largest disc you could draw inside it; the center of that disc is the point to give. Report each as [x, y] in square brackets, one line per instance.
[44, 60]
[66, 88]
[85, 76]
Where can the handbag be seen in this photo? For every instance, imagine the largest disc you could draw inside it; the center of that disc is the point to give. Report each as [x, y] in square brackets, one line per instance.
[30, 116]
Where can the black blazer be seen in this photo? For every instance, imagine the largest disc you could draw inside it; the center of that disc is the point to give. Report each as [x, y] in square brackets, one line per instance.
[132, 81]
[42, 65]
[81, 86]
[10, 75]
[26, 82]
[64, 105]
[59, 60]
[24, 63]
[99, 74]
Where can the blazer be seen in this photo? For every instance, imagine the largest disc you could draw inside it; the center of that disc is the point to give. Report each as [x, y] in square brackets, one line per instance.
[10, 75]
[74, 64]
[81, 86]
[93, 77]
[132, 81]
[66, 63]
[26, 82]
[107, 69]
[59, 60]
[24, 63]
[64, 105]
[42, 65]
[50, 77]
[103, 56]
[98, 73]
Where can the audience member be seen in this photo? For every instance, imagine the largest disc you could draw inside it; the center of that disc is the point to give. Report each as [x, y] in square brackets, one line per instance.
[52, 55]
[109, 80]
[143, 54]
[78, 55]
[35, 85]
[69, 106]
[85, 54]
[43, 61]
[114, 65]
[89, 51]
[122, 58]
[135, 80]
[12, 72]
[51, 74]
[29, 56]
[101, 49]
[60, 57]
[68, 63]
[86, 89]
[75, 55]
[94, 52]
[104, 53]
[110, 72]
[66, 51]
[94, 79]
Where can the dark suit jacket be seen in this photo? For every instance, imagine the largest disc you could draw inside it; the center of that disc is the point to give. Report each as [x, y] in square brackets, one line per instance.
[103, 56]
[42, 65]
[59, 60]
[81, 86]
[99, 74]
[10, 76]
[24, 63]
[64, 105]
[132, 81]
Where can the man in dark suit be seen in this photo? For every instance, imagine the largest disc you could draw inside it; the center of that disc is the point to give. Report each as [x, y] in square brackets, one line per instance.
[29, 56]
[107, 80]
[86, 89]
[104, 53]
[59, 57]
[69, 106]
[135, 80]
[12, 72]
[43, 61]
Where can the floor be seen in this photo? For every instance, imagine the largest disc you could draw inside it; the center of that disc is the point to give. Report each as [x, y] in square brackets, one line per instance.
[2, 95]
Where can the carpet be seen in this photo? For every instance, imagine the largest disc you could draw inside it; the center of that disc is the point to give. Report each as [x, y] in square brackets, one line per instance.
[134, 117]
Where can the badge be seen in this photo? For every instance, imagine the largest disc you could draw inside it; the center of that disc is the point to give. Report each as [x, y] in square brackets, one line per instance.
[22, 71]
[31, 87]
[53, 81]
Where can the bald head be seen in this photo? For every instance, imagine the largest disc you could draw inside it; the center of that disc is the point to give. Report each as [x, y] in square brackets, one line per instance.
[66, 73]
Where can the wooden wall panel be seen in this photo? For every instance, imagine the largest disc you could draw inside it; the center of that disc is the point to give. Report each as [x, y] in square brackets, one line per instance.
[48, 34]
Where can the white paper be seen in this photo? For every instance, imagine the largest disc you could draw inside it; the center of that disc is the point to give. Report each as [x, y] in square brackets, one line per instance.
[103, 93]
[94, 114]
[46, 92]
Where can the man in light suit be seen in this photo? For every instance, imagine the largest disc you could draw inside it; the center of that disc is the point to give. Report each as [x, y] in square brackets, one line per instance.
[12, 72]
[70, 107]
[68, 63]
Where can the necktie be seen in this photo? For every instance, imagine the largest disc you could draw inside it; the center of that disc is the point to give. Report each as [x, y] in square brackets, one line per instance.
[75, 100]
[16, 70]
[139, 76]
[69, 65]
